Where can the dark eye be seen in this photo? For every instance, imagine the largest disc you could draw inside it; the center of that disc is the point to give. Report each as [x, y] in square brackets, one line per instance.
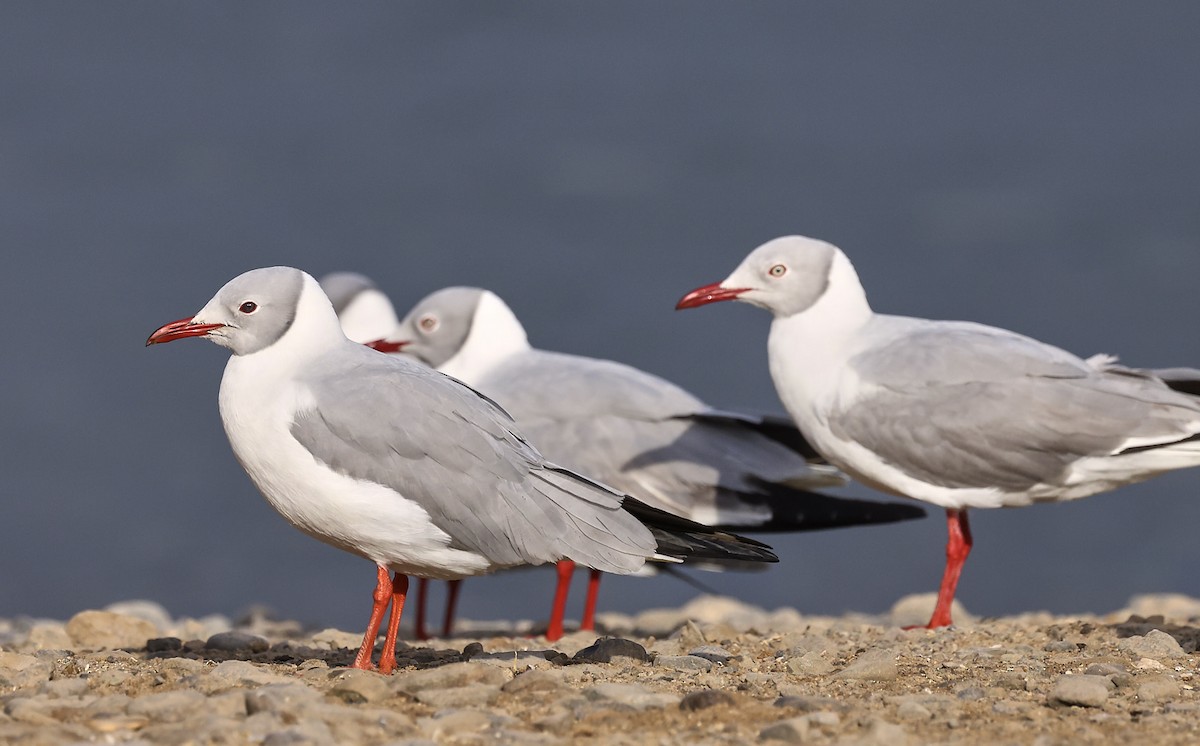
[248, 307]
[428, 323]
[778, 270]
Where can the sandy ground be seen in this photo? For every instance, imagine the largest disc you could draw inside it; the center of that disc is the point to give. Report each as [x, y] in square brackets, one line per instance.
[714, 671]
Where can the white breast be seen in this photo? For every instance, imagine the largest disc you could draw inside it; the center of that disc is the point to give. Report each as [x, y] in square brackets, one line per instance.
[367, 519]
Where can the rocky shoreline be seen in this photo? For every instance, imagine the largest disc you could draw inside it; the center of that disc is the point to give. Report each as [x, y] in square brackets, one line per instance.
[713, 671]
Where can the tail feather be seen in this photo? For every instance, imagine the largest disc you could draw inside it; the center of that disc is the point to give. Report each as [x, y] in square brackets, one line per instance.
[795, 510]
[688, 540]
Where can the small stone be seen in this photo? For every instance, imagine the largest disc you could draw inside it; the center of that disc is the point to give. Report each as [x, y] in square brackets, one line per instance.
[684, 663]
[237, 673]
[117, 723]
[873, 665]
[150, 611]
[234, 641]
[303, 733]
[811, 704]
[451, 723]
[1080, 689]
[706, 698]
[289, 699]
[913, 711]
[633, 695]
[356, 687]
[476, 695]
[19, 671]
[451, 675]
[605, 649]
[812, 663]
[48, 636]
[335, 639]
[59, 688]
[163, 644]
[714, 653]
[824, 719]
[1156, 645]
[105, 629]
[1149, 664]
[167, 707]
[535, 681]
[471, 650]
[882, 733]
[365, 724]
[916, 609]
[792, 730]
[231, 704]
[1014, 681]
[1061, 646]
[1158, 689]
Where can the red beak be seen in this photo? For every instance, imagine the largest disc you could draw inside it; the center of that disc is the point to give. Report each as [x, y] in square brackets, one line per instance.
[708, 294]
[180, 329]
[385, 346]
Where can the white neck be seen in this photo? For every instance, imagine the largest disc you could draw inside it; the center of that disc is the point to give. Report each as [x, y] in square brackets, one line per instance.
[369, 316]
[495, 335]
[808, 350]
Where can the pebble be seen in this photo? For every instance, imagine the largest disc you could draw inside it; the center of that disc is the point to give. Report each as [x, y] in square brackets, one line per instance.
[449, 676]
[706, 698]
[684, 663]
[1080, 689]
[292, 700]
[812, 663]
[476, 695]
[605, 649]
[150, 611]
[1158, 689]
[167, 707]
[633, 695]
[48, 636]
[105, 629]
[872, 665]
[234, 641]
[883, 733]
[534, 681]
[19, 671]
[792, 730]
[714, 653]
[355, 686]
[236, 673]
[1155, 645]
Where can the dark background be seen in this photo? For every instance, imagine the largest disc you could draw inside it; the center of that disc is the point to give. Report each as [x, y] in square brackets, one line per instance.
[1030, 165]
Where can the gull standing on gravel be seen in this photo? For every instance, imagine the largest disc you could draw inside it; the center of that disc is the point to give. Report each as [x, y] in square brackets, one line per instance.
[956, 414]
[632, 430]
[401, 465]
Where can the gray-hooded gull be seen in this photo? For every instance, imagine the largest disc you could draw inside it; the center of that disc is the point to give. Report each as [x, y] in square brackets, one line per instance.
[404, 466]
[630, 429]
[956, 414]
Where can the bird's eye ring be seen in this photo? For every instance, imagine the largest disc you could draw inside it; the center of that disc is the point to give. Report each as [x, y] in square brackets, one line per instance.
[777, 271]
[248, 307]
[428, 323]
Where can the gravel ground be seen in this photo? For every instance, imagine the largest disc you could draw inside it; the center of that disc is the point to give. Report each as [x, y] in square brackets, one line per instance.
[714, 671]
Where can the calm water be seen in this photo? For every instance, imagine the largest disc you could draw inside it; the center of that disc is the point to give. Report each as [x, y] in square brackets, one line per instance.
[1031, 166]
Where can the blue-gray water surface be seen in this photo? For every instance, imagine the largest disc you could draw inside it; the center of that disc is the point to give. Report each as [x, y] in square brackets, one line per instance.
[1029, 165]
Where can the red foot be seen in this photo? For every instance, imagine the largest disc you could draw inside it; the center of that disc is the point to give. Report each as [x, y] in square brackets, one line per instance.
[422, 592]
[451, 605]
[589, 607]
[381, 596]
[958, 546]
[387, 660]
[554, 631]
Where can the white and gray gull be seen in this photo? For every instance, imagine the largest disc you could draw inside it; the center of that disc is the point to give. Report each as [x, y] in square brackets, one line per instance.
[633, 430]
[404, 466]
[956, 414]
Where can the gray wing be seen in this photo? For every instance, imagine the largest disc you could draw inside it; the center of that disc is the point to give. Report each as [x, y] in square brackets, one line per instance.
[439, 443]
[648, 437]
[966, 406]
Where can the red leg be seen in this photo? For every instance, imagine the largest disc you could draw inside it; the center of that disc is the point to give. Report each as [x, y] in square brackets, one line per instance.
[958, 546]
[451, 604]
[383, 594]
[422, 592]
[589, 606]
[387, 659]
[554, 631]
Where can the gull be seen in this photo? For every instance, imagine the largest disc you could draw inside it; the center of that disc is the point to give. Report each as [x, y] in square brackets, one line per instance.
[404, 466]
[956, 414]
[632, 430]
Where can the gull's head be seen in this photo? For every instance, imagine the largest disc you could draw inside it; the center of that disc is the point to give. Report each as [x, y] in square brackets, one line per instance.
[249, 314]
[786, 276]
[364, 311]
[437, 328]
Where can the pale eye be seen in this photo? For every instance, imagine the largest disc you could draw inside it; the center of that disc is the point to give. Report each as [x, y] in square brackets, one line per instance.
[428, 323]
[248, 307]
[778, 270]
